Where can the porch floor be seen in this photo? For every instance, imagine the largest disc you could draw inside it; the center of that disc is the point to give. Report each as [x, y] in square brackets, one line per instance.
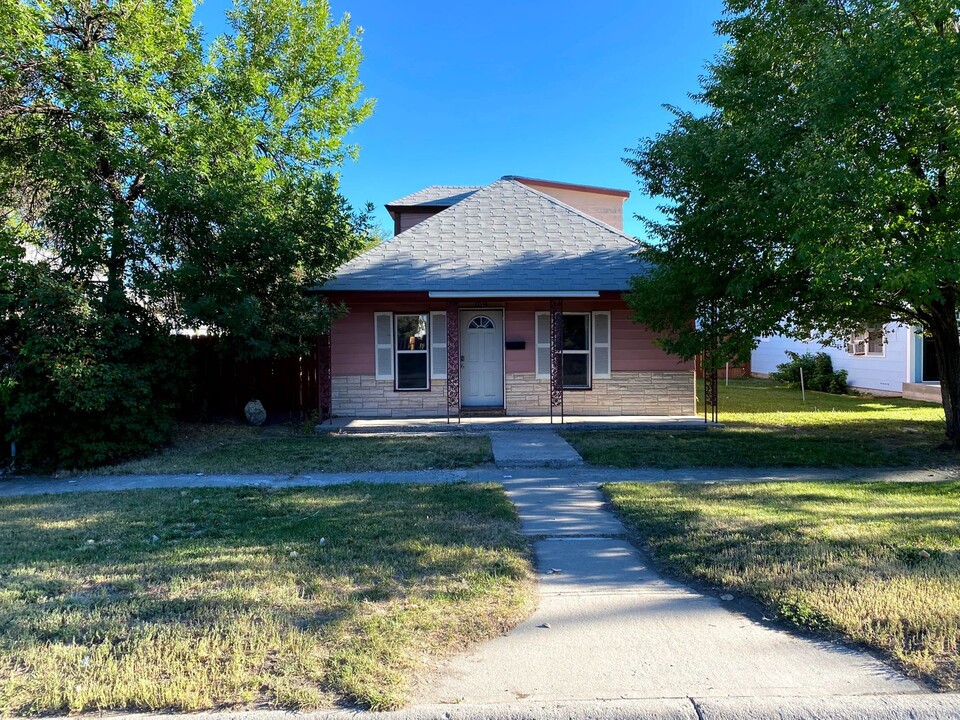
[489, 424]
[926, 391]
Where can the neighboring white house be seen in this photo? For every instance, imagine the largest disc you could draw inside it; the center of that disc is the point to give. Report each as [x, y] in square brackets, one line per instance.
[896, 360]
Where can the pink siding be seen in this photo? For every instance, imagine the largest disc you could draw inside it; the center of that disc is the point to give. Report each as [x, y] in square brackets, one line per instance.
[632, 347]
[352, 345]
[519, 324]
[603, 206]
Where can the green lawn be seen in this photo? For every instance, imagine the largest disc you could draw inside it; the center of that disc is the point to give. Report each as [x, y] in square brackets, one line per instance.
[185, 600]
[878, 564]
[239, 449]
[768, 425]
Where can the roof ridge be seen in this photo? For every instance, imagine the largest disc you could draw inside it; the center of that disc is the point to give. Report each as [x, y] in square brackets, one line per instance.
[550, 198]
[451, 189]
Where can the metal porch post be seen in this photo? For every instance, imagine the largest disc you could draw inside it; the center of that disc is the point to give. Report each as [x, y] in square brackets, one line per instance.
[453, 359]
[556, 357]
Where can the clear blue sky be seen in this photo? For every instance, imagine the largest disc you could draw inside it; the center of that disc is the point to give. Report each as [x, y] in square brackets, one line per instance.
[468, 92]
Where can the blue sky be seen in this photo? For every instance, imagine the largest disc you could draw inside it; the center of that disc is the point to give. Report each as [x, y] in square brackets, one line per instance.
[468, 92]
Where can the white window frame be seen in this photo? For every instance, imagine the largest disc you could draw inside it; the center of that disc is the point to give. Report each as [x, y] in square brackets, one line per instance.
[542, 342]
[858, 343]
[397, 351]
[588, 352]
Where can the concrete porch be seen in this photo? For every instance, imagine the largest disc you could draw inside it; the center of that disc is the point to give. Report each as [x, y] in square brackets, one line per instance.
[535, 423]
[927, 391]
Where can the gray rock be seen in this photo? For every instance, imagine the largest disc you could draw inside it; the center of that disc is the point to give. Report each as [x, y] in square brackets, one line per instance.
[255, 413]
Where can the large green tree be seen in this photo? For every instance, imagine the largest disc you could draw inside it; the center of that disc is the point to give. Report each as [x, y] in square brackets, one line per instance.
[149, 182]
[818, 191]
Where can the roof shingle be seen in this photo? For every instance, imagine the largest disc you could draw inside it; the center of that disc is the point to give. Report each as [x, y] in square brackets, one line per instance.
[503, 237]
[436, 196]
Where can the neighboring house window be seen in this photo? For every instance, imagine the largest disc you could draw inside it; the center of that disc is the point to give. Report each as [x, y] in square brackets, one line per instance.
[412, 350]
[868, 342]
[585, 351]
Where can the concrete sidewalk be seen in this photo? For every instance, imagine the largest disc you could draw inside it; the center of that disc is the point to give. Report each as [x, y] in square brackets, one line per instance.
[610, 628]
[12, 485]
[863, 707]
[537, 449]
[622, 642]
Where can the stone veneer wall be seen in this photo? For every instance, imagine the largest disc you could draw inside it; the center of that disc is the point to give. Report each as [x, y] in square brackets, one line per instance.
[365, 396]
[625, 393]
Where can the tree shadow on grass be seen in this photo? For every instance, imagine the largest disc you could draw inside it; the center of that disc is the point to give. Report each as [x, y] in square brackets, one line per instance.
[105, 571]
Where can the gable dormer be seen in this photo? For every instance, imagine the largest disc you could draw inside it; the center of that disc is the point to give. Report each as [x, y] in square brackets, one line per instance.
[417, 207]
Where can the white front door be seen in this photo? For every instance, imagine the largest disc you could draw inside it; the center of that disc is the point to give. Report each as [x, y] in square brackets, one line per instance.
[481, 355]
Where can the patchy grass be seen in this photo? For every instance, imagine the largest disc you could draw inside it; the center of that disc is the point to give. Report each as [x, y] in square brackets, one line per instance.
[185, 600]
[878, 564]
[768, 425]
[215, 449]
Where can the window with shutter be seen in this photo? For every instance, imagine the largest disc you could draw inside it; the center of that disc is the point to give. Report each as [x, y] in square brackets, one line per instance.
[383, 330]
[412, 350]
[576, 351]
[438, 345]
[601, 345]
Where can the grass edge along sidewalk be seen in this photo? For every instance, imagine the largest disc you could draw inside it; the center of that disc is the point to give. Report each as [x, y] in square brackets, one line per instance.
[247, 597]
[238, 449]
[769, 425]
[874, 563]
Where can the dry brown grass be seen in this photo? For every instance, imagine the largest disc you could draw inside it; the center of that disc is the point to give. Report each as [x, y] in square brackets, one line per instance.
[876, 563]
[213, 598]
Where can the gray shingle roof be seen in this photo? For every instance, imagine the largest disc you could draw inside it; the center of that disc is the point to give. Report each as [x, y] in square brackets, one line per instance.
[505, 237]
[436, 196]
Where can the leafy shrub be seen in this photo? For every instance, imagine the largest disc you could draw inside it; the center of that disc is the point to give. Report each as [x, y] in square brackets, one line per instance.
[818, 373]
[81, 386]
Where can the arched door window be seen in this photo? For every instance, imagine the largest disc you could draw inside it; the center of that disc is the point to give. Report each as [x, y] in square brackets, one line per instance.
[481, 322]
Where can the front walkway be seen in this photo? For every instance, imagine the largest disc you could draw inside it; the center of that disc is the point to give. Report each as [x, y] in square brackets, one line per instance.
[533, 449]
[610, 628]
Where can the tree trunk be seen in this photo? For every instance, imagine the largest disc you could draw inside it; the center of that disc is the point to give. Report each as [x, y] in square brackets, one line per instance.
[946, 339]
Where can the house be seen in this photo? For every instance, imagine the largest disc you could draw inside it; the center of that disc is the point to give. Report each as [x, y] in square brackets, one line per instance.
[891, 360]
[498, 299]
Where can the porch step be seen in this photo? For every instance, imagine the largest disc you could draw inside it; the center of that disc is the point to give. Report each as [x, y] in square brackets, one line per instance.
[482, 412]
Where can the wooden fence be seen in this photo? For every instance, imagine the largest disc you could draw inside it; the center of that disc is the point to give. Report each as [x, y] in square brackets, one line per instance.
[223, 385]
[735, 371]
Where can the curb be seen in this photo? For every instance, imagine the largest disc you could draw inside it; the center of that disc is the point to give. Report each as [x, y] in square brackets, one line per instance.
[849, 707]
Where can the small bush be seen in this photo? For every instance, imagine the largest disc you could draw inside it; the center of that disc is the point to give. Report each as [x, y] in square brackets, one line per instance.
[818, 373]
